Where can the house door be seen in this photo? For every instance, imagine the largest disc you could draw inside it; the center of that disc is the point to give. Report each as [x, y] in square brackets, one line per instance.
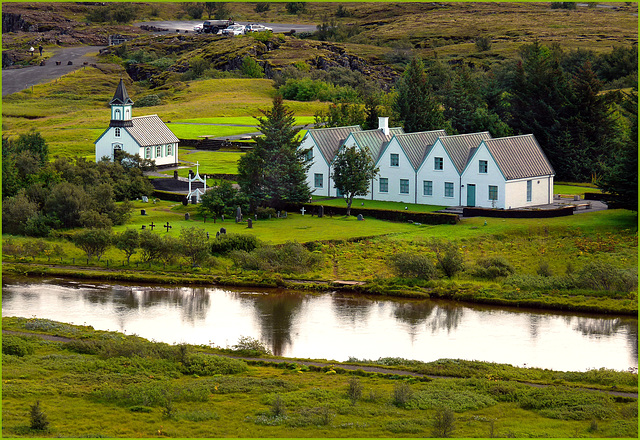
[471, 195]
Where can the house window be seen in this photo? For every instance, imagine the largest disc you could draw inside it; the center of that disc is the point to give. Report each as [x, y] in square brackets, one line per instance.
[483, 166]
[309, 155]
[427, 187]
[395, 160]
[147, 153]
[117, 132]
[126, 114]
[158, 151]
[384, 185]
[404, 186]
[529, 189]
[117, 115]
[493, 192]
[318, 180]
[448, 189]
[169, 150]
[438, 163]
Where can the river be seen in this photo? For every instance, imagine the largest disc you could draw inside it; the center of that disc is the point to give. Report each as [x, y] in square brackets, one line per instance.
[334, 326]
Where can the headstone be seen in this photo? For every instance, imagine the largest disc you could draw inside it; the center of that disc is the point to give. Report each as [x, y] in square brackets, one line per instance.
[175, 174]
[223, 231]
[278, 214]
[576, 197]
[207, 235]
[167, 226]
[145, 199]
[186, 216]
[285, 214]
[238, 215]
[143, 212]
[302, 210]
[185, 201]
[222, 217]
[250, 223]
[320, 211]
[255, 216]
[218, 234]
[152, 225]
[194, 200]
[144, 226]
[360, 217]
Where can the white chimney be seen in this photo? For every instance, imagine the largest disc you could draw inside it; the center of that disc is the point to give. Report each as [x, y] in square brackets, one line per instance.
[383, 124]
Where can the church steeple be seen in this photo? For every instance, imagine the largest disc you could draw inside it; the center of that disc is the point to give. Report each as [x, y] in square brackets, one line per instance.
[121, 106]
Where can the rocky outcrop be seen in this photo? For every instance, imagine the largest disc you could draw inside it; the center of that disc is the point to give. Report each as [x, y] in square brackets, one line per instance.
[14, 23]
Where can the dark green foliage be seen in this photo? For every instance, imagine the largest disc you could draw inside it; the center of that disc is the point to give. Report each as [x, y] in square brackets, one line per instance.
[353, 170]
[94, 242]
[128, 242]
[295, 8]
[306, 89]
[193, 245]
[16, 346]
[563, 5]
[251, 69]
[544, 270]
[37, 417]
[222, 200]
[207, 365]
[274, 171]
[148, 101]
[16, 211]
[568, 404]
[415, 103]
[262, 7]
[483, 43]
[154, 247]
[121, 13]
[265, 213]
[599, 275]
[402, 394]
[443, 423]
[290, 257]
[278, 408]
[251, 346]
[354, 389]
[449, 258]
[618, 66]
[194, 10]
[413, 265]
[492, 268]
[340, 115]
[226, 243]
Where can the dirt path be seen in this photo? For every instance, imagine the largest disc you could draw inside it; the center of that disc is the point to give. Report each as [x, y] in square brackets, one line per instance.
[323, 364]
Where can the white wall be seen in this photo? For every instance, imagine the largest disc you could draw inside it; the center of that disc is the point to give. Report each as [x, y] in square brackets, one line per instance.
[541, 192]
[319, 165]
[438, 177]
[493, 176]
[104, 146]
[404, 170]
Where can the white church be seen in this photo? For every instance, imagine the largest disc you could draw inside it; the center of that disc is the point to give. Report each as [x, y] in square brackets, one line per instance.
[434, 168]
[146, 136]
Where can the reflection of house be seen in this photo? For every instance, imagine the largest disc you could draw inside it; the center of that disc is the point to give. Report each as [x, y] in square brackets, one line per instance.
[146, 136]
[435, 169]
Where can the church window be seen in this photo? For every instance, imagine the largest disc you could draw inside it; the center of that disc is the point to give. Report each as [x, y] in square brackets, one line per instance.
[117, 132]
[126, 114]
[147, 153]
[169, 150]
[116, 115]
[158, 151]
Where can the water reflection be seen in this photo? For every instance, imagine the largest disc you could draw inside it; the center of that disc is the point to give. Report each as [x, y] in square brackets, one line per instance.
[336, 326]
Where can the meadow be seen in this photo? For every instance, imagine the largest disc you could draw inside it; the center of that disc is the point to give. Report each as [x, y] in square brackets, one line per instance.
[106, 384]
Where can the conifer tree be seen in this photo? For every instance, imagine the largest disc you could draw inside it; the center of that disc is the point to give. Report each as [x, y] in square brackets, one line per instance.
[274, 172]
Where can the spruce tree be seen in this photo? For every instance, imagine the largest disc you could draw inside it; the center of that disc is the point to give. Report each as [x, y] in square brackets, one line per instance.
[415, 103]
[274, 172]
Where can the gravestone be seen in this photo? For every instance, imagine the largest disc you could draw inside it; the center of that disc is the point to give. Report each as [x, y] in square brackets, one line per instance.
[144, 226]
[278, 214]
[175, 174]
[167, 226]
[285, 214]
[222, 217]
[194, 200]
[255, 216]
[185, 201]
[218, 234]
[238, 215]
[360, 217]
[145, 199]
[249, 223]
[143, 212]
[320, 211]
[207, 235]
[186, 216]
[152, 225]
[302, 210]
[223, 231]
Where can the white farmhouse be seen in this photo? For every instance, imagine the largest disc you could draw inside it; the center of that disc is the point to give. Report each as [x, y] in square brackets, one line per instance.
[509, 172]
[439, 174]
[146, 136]
[398, 166]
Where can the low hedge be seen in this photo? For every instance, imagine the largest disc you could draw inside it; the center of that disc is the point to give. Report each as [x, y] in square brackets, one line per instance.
[501, 213]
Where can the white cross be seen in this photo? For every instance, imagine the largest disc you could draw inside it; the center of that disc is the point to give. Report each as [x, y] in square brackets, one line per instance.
[303, 211]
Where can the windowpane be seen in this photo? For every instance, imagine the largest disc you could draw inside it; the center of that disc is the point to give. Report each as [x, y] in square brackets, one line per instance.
[404, 186]
[448, 189]
[117, 132]
[310, 155]
[493, 192]
[529, 189]
[384, 185]
[147, 153]
[169, 150]
[438, 163]
[427, 187]
[158, 151]
[483, 166]
[395, 160]
[318, 181]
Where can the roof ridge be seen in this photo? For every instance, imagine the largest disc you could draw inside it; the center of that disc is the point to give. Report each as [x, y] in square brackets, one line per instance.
[467, 134]
[144, 116]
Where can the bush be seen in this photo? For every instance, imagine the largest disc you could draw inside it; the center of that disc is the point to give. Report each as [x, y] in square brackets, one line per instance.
[265, 213]
[206, 365]
[148, 101]
[354, 390]
[226, 243]
[492, 268]
[38, 418]
[262, 7]
[568, 404]
[402, 394]
[247, 344]
[16, 346]
[413, 265]
[251, 69]
[483, 44]
[544, 270]
[598, 275]
[449, 258]
[290, 257]
[443, 423]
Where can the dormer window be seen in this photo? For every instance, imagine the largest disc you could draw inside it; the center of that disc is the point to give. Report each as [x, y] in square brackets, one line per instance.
[117, 132]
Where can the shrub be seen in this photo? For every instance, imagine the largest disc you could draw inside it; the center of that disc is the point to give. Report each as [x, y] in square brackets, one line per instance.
[16, 346]
[492, 268]
[568, 404]
[604, 276]
[449, 258]
[483, 44]
[206, 365]
[247, 344]
[413, 265]
[148, 101]
[354, 390]
[38, 417]
[265, 213]
[226, 243]
[277, 407]
[443, 423]
[290, 257]
[262, 7]
[544, 270]
[295, 8]
[402, 394]
[251, 69]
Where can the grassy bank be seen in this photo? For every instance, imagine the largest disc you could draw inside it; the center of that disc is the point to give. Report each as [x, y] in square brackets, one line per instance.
[105, 384]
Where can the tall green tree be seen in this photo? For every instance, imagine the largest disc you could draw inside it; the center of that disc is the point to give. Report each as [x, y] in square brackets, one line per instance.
[415, 103]
[274, 171]
[620, 178]
[222, 200]
[128, 242]
[353, 171]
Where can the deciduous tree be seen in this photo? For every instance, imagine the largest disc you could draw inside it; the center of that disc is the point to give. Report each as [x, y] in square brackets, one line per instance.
[353, 171]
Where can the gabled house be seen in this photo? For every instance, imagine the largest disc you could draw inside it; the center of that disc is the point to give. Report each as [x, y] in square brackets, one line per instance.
[439, 174]
[146, 136]
[509, 172]
[323, 145]
[398, 163]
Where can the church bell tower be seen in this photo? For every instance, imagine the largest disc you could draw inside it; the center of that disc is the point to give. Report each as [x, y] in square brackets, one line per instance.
[121, 106]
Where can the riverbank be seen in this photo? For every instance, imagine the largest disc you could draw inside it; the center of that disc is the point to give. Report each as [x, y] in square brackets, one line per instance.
[106, 384]
[600, 302]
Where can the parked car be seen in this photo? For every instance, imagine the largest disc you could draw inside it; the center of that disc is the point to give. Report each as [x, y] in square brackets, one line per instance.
[255, 27]
[197, 29]
[214, 26]
[236, 29]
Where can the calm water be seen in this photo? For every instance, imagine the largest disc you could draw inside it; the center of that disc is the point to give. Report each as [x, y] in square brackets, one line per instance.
[334, 325]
